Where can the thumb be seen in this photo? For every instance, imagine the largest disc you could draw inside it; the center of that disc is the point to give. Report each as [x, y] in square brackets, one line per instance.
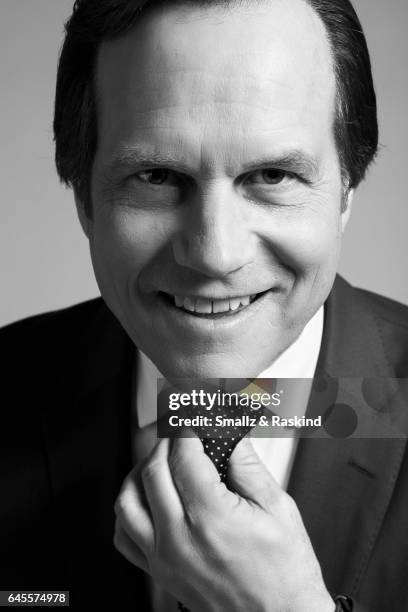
[248, 476]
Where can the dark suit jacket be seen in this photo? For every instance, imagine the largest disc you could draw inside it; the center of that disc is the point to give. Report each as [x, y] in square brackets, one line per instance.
[65, 450]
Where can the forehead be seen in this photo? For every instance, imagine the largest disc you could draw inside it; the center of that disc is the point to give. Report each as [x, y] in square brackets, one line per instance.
[218, 73]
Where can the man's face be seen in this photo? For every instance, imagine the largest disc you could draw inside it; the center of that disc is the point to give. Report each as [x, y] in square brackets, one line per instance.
[216, 185]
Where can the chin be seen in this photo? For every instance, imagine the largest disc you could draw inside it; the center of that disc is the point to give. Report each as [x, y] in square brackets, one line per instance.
[206, 366]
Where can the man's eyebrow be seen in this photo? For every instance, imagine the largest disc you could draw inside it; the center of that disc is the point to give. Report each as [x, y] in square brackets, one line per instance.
[130, 157]
[297, 161]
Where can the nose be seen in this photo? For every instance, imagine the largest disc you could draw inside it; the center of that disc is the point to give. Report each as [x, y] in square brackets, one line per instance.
[215, 238]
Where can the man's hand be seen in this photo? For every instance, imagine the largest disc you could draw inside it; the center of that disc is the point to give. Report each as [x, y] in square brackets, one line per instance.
[213, 548]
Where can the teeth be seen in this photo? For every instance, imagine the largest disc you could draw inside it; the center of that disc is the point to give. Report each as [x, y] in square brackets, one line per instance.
[203, 305]
[207, 306]
[234, 304]
[221, 305]
[189, 304]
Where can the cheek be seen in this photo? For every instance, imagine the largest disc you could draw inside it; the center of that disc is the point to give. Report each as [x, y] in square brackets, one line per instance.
[126, 242]
[307, 242]
[318, 246]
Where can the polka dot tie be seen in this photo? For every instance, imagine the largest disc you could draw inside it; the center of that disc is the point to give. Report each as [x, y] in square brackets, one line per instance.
[220, 442]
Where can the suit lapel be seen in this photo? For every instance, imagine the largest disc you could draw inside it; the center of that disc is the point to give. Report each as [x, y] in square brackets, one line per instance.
[89, 452]
[343, 486]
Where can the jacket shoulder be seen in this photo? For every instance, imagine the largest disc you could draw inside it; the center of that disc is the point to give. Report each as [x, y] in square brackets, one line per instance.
[392, 324]
[42, 331]
[386, 309]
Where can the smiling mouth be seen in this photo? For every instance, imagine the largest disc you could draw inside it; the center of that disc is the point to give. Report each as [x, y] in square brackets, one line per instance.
[209, 308]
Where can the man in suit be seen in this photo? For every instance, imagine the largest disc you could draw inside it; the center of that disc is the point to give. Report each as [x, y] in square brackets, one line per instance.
[214, 149]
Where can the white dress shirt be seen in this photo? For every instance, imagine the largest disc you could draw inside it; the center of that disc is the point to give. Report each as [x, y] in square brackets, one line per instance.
[298, 361]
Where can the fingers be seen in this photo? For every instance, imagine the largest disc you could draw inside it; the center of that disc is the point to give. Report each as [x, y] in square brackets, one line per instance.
[148, 504]
[127, 547]
[133, 513]
[156, 496]
[161, 494]
[248, 476]
[194, 475]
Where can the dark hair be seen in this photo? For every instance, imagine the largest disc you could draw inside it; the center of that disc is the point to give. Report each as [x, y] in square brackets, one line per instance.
[93, 21]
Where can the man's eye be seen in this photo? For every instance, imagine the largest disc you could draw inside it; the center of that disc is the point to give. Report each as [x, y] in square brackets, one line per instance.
[268, 176]
[156, 176]
[155, 187]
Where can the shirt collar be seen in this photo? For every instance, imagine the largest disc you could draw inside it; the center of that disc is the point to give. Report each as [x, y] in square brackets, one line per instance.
[297, 361]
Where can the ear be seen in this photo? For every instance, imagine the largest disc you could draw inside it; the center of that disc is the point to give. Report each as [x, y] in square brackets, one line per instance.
[83, 216]
[346, 208]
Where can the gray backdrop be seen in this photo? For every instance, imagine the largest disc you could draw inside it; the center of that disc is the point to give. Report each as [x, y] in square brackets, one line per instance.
[44, 261]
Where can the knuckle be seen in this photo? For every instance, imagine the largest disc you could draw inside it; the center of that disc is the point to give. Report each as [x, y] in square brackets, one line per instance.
[267, 502]
[287, 503]
[273, 500]
[177, 464]
[120, 505]
[282, 502]
[124, 500]
[285, 510]
[267, 498]
[150, 470]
